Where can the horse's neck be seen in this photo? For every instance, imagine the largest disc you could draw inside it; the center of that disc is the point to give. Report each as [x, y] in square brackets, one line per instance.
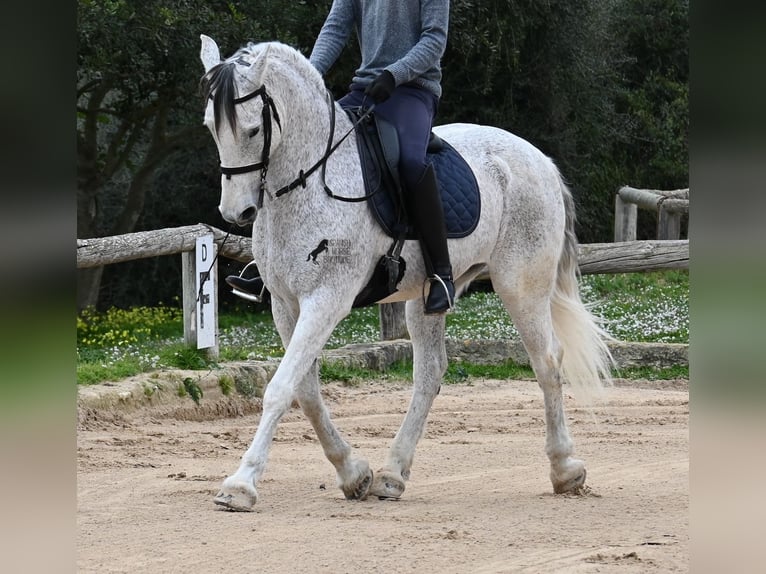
[306, 122]
[305, 118]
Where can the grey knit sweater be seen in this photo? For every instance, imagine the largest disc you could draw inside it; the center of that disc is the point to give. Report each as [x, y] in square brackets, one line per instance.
[405, 37]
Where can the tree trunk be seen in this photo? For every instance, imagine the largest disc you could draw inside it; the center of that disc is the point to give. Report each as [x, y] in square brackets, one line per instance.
[88, 287]
[88, 280]
[161, 146]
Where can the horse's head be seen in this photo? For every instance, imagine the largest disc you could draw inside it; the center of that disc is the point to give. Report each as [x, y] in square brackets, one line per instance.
[245, 125]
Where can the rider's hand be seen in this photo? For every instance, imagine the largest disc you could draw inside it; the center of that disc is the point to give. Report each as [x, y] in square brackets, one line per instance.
[381, 87]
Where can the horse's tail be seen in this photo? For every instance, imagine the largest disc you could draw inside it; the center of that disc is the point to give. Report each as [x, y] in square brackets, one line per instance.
[586, 362]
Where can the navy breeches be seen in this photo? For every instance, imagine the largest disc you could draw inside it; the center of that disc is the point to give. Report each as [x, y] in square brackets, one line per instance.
[411, 110]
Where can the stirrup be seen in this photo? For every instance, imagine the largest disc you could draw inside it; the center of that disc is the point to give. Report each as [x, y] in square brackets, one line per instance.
[244, 294]
[450, 299]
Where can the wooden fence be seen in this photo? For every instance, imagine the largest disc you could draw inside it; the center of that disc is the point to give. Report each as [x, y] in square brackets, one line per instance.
[593, 258]
[669, 205]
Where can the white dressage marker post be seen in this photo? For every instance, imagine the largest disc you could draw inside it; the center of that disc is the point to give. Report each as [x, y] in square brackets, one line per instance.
[206, 304]
[200, 296]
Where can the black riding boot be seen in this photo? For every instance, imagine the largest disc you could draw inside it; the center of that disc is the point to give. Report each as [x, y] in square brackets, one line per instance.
[428, 215]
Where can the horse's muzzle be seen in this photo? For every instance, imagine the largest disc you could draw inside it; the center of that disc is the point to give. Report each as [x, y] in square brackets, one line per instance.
[243, 219]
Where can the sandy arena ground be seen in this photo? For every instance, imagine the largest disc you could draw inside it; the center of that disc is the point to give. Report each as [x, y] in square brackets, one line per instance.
[478, 501]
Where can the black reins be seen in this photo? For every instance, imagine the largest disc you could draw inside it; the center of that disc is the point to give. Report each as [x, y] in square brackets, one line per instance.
[300, 181]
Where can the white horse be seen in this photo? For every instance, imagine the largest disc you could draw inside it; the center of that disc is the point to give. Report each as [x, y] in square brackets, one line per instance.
[270, 115]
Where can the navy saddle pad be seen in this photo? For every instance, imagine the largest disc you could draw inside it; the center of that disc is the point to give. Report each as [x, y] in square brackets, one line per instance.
[378, 146]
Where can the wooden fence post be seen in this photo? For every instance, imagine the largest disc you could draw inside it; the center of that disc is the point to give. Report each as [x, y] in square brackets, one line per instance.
[669, 206]
[393, 324]
[189, 287]
[668, 223]
[625, 217]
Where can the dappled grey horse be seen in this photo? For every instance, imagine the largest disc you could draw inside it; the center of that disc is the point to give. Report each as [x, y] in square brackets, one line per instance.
[270, 115]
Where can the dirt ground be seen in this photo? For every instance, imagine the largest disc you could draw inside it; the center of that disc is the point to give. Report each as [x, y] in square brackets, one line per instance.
[478, 501]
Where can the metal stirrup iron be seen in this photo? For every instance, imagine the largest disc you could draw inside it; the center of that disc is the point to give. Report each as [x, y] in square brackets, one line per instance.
[244, 294]
[436, 277]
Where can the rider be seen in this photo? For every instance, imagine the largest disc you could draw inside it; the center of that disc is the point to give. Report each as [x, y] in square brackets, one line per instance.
[401, 43]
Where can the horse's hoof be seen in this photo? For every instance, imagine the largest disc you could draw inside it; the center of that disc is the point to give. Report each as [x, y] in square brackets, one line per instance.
[238, 497]
[571, 480]
[360, 488]
[387, 485]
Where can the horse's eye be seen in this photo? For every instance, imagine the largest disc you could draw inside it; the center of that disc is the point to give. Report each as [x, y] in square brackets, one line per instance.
[253, 132]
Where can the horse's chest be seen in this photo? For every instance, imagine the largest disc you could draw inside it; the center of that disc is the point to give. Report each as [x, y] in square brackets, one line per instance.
[311, 253]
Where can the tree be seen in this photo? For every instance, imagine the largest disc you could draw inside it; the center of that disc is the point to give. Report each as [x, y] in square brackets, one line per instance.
[137, 104]
[601, 86]
[656, 44]
[546, 71]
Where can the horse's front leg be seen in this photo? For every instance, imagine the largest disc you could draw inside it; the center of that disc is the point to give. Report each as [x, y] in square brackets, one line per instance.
[353, 474]
[429, 359]
[312, 329]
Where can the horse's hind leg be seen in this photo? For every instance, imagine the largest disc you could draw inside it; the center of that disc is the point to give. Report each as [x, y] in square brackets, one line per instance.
[429, 365]
[531, 315]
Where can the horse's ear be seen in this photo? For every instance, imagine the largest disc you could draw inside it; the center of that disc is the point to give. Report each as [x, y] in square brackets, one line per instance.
[209, 54]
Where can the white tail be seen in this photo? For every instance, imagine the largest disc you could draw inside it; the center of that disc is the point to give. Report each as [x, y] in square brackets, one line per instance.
[587, 361]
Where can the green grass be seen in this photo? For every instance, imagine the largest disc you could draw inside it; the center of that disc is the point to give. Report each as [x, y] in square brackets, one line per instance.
[460, 372]
[648, 307]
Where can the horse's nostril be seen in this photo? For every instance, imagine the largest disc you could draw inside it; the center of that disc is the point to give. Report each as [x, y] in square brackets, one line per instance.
[247, 216]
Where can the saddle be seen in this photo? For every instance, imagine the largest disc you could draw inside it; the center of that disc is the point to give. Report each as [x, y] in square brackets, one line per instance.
[378, 146]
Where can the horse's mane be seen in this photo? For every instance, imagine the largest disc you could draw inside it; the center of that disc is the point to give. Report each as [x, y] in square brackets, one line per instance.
[219, 84]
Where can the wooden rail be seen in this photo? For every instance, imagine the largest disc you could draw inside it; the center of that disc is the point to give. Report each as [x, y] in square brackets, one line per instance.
[100, 251]
[624, 257]
[593, 258]
[669, 205]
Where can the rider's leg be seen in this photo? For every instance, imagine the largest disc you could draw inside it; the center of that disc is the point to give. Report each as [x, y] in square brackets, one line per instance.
[412, 111]
[428, 213]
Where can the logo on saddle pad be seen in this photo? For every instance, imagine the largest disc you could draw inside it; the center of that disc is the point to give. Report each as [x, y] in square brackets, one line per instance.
[338, 251]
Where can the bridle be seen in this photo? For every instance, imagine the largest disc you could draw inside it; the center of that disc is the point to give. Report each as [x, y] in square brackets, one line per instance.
[263, 165]
[266, 114]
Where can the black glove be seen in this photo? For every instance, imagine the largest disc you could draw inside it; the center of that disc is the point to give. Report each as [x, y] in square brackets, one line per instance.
[381, 87]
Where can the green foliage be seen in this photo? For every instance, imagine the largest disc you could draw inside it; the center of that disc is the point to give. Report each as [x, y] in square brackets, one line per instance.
[193, 389]
[125, 327]
[181, 356]
[350, 376]
[226, 384]
[247, 387]
[91, 370]
[651, 307]
[332, 371]
[151, 388]
[652, 37]
[654, 374]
